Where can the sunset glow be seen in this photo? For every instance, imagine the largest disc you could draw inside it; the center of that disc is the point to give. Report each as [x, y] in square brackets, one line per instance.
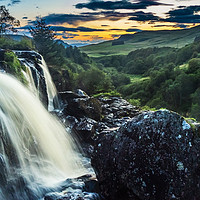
[89, 21]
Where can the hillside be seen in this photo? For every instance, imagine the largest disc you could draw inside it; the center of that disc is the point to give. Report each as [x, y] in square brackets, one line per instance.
[145, 39]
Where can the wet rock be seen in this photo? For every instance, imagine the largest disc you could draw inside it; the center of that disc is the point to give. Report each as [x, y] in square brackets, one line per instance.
[80, 105]
[154, 156]
[89, 117]
[3, 171]
[82, 188]
[72, 195]
[116, 111]
[85, 128]
[72, 121]
[81, 93]
[66, 95]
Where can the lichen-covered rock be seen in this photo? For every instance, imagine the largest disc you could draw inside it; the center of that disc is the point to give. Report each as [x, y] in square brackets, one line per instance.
[116, 111]
[152, 157]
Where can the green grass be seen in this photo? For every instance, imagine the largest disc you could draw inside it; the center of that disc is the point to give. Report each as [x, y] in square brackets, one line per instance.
[107, 94]
[137, 78]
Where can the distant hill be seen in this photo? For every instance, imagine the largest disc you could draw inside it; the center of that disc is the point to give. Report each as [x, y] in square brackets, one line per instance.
[21, 37]
[144, 39]
[63, 43]
[16, 37]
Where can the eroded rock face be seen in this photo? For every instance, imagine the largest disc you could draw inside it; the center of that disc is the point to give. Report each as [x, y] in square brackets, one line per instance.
[153, 157]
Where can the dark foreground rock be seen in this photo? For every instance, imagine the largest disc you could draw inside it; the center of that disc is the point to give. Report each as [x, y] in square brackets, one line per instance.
[89, 116]
[79, 104]
[152, 157]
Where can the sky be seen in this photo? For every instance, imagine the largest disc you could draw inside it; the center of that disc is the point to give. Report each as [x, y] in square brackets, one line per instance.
[83, 22]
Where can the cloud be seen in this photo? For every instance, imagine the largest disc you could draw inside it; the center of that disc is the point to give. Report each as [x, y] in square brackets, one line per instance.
[68, 18]
[115, 5]
[188, 14]
[190, 10]
[85, 29]
[66, 29]
[67, 35]
[96, 37]
[133, 30]
[143, 17]
[180, 26]
[115, 16]
[13, 2]
[172, 26]
[75, 19]
[80, 28]
[107, 15]
[181, 15]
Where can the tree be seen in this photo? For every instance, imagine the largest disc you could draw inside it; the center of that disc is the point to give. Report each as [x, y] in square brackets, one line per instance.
[195, 104]
[7, 22]
[94, 81]
[43, 36]
[44, 39]
[193, 65]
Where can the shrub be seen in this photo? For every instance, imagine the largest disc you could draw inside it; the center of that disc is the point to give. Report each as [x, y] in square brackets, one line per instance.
[94, 81]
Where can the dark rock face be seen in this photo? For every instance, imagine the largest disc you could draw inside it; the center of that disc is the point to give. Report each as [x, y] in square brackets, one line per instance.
[116, 111]
[89, 116]
[86, 128]
[152, 157]
[80, 105]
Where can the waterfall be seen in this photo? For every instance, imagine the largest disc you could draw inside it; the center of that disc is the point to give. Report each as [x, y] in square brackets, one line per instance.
[35, 150]
[29, 77]
[51, 89]
[37, 70]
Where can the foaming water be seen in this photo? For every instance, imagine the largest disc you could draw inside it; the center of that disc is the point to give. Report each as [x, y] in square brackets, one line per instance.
[36, 152]
[31, 83]
[51, 89]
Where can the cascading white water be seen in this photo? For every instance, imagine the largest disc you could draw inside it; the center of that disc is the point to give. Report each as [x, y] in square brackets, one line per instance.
[34, 146]
[29, 77]
[50, 87]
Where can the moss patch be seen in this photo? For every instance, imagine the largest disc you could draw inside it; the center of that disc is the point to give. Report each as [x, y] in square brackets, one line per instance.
[13, 66]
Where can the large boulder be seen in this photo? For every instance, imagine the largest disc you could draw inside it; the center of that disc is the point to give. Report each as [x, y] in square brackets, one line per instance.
[154, 156]
[80, 105]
